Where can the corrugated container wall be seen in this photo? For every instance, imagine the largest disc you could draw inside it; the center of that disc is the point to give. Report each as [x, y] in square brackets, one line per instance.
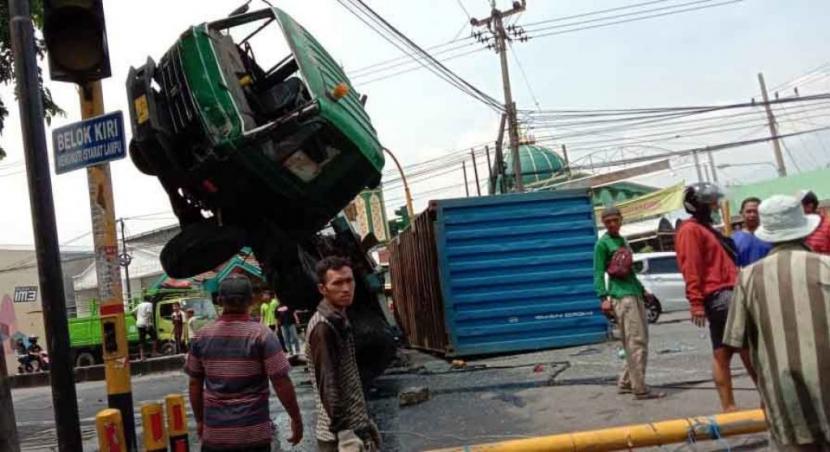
[514, 274]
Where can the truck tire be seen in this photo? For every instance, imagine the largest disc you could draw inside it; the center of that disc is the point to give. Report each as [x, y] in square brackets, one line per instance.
[141, 160]
[168, 348]
[84, 359]
[200, 247]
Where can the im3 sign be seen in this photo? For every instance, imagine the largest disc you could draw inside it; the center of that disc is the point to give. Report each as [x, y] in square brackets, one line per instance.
[25, 294]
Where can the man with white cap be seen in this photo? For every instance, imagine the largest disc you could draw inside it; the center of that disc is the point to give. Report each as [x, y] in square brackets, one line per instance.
[780, 310]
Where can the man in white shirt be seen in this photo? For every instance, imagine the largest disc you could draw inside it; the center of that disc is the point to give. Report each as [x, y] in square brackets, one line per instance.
[144, 322]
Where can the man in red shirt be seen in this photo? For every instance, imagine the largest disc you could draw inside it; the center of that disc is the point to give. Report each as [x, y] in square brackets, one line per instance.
[707, 260]
[819, 240]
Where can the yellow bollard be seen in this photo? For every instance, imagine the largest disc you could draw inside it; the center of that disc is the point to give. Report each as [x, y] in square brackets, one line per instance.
[177, 423]
[152, 422]
[629, 437]
[110, 431]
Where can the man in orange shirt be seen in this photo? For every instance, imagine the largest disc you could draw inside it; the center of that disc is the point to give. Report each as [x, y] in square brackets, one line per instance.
[707, 260]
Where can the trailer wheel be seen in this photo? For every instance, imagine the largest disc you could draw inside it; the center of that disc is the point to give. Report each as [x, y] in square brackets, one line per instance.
[84, 359]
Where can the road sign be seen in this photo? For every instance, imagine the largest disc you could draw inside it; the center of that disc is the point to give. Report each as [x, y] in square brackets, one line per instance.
[89, 142]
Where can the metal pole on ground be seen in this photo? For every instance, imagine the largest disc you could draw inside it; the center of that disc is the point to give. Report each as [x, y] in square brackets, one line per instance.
[633, 436]
[50, 274]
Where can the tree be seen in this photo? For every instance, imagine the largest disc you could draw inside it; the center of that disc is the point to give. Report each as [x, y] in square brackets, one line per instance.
[50, 109]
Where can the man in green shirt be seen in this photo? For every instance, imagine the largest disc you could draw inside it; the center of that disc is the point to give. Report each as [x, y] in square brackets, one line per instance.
[268, 315]
[624, 295]
[268, 310]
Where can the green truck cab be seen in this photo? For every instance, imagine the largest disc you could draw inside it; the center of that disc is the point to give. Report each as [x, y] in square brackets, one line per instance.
[85, 332]
[290, 144]
[261, 154]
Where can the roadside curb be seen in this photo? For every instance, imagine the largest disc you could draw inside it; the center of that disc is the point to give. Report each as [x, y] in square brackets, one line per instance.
[96, 373]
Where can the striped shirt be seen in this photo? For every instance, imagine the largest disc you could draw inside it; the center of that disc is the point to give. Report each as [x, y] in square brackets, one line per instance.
[236, 356]
[338, 391]
[781, 310]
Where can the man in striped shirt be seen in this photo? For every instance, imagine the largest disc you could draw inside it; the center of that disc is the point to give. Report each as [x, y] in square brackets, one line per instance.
[343, 423]
[230, 364]
[780, 310]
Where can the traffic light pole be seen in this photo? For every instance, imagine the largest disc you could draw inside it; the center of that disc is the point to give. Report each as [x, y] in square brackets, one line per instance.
[50, 274]
[113, 326]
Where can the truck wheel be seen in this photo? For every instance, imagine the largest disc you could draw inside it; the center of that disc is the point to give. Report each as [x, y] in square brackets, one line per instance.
[168, 348]
[141, 160]
[84, 359]
[200, 247]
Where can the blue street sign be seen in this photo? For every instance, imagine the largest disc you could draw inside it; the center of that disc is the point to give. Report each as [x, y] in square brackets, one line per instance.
[89, 142]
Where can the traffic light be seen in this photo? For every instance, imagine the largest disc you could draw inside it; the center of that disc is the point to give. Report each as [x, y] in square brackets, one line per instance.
[76, 40]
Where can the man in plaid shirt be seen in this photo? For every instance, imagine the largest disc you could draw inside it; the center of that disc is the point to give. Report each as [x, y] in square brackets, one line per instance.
[230, 364]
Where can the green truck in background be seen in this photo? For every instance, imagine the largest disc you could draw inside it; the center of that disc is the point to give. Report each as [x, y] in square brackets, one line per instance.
[85, 332]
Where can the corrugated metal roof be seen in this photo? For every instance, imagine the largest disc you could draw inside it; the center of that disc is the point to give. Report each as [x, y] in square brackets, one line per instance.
[517, 271]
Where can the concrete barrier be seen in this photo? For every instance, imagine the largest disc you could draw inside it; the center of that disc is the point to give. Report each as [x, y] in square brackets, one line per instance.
[96, 373]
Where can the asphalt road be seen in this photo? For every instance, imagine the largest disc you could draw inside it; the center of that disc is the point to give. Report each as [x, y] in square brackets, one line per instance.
[510, 397]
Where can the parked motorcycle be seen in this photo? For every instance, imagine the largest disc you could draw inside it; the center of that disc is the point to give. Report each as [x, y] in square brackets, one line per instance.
[32, 358]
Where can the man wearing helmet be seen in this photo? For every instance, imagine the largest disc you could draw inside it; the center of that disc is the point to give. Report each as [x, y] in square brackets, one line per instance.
[707, 260]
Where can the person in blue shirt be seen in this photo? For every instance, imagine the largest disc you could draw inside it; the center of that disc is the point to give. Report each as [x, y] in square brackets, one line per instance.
[750, 248]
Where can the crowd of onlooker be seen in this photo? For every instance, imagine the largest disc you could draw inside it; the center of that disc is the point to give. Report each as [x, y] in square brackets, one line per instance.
[764, 293]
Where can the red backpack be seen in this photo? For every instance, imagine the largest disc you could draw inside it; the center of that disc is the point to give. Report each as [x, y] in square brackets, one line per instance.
[621, 263]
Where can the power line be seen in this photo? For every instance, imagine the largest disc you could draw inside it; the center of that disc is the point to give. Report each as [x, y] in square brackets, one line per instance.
[463, 8]
[618, 22]
[713, 148]
[428, 62]
[417, 67]
[524, 76]
[593, 13]
[404, 61]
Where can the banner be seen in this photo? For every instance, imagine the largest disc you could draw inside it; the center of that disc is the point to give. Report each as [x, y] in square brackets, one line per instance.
[651, 205]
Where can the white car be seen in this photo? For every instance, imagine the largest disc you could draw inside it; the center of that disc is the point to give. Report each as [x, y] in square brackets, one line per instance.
[661, 276]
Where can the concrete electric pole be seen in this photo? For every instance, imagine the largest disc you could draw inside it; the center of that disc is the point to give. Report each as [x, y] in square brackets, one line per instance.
[773, 129]
[495, 24]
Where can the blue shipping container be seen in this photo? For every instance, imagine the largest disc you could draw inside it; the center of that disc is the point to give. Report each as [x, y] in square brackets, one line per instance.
[516, 272]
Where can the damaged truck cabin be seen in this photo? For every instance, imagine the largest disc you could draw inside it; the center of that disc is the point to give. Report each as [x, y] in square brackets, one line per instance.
[264, 151]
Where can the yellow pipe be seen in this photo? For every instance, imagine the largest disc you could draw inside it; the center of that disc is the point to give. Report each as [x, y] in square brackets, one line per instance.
[642, 435]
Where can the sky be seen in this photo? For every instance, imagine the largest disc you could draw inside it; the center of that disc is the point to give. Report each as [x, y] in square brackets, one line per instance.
[704, 57]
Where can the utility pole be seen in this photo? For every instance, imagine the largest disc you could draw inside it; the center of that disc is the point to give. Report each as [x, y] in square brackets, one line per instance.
[712, 166]
[466, 184]
[124, 260]
[567, 160]
[475, 172]
[773, 128]
[50, 273]
[697, 167]
[500, 158]
[489, 169]
[495, 24]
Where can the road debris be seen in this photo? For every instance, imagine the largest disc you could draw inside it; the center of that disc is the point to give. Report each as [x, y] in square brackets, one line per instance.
[413, 396]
